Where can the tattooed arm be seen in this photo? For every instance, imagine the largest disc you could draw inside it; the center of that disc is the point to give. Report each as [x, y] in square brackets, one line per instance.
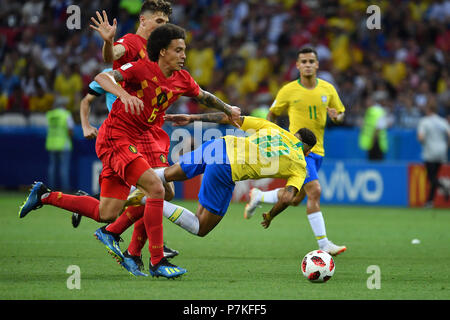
[284, 201]
[185, 119]
[211, 101]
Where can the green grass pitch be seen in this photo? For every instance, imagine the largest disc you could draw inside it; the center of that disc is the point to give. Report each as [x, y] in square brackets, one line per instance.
[239, 260]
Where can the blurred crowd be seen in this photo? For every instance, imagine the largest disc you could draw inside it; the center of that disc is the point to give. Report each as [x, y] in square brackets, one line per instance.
[242, 51]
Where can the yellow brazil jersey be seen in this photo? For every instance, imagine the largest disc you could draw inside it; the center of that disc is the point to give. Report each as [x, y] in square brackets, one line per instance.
[307, 108]
[267, 151]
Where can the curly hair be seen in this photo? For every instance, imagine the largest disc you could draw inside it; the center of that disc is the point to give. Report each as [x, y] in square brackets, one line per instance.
[157, 6]
[161, 38]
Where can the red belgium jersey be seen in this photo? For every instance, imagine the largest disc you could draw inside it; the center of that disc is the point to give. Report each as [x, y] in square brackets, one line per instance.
[154, 145]
[145, 80]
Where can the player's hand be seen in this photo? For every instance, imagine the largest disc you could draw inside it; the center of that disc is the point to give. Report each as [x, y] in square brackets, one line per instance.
[235, 116]
[132, 103]
[332, 113]
[102, 26]
[90, 132]
[266, 220]
[178, 119]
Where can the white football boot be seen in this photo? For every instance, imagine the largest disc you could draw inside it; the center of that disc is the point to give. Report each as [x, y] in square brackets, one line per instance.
[333, 249]
[253, 203]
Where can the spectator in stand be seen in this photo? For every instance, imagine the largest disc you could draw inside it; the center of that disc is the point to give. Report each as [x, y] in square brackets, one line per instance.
[410, 52]
[8, 81]
[17, 101]
[50, 55]
[69, 84]
[31, 79]
[42, 100]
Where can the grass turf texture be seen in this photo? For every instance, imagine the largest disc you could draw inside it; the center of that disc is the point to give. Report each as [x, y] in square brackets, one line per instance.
[238, 260]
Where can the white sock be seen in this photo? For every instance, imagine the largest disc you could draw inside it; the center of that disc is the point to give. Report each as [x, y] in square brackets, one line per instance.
[318, 226]
[160, 173]
[270, 196]
[181, 217]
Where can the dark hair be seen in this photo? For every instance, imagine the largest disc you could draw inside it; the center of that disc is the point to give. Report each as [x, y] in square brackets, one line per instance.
[157, 6]
[308, 137]
[308, 50]
[161, 37]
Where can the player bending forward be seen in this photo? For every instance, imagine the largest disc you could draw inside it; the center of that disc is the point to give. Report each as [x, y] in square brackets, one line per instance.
[268, 152]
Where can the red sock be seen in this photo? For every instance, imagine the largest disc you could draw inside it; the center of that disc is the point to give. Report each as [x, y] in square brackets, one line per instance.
[154, 227]
[85, 205]
[126, 219]
[138, 238]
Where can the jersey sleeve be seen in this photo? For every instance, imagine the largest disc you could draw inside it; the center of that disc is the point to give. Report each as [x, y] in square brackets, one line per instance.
[335, 101]
[297, 179]
[254, 123]
[131, 71]
[192, 89]
[129, 45]
[95, 89]
[281, 102]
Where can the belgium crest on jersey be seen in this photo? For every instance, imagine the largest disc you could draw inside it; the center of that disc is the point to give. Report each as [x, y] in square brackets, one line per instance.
[132, 148]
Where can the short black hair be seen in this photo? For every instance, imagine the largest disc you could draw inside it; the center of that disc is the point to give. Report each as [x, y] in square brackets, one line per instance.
[157, 6]
[161, 37]
[308, 49]
[308, 137]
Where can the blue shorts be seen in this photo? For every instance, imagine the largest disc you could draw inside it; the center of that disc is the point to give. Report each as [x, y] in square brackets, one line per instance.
[217, 186]
[313, 163]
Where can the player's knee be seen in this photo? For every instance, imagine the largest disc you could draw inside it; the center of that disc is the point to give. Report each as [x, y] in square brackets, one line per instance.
[154, 190]
[107, 216]
[109, 211]
[295, 202]
[203, 229]
[169, 193]
[157, 191]
[202, 233]
[314, 192]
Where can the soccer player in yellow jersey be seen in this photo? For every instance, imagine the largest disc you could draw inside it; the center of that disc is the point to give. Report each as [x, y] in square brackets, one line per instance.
[307, 101]
[267, 151]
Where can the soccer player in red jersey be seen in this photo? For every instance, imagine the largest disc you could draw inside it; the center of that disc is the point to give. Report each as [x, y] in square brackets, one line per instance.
[150, 87]
[154, 143]
[158, 84]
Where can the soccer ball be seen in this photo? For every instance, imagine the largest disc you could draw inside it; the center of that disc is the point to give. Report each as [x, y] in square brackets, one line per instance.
[318, 266]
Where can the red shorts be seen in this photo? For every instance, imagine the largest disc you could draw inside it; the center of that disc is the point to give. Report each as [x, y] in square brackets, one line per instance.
[154, 146]
[122, 163]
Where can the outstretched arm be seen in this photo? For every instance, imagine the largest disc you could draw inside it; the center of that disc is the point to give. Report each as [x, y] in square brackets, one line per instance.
[107, 32]
[217, 117]
[284, 201]
[211, 101]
